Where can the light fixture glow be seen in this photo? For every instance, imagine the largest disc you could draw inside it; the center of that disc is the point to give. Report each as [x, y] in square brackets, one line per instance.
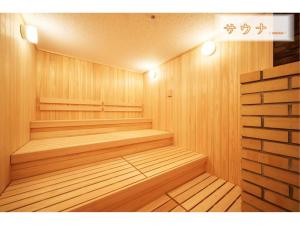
[29, 33]
[208, 48]
[153, 75]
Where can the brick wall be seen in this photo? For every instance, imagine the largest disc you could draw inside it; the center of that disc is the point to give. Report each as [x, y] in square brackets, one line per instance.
[288, 51]
[270, 120]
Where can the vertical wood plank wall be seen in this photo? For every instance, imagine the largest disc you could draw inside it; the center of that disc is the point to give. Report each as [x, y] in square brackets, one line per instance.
[17, 85]
[70, 78]
[203, 111]
[270, 119]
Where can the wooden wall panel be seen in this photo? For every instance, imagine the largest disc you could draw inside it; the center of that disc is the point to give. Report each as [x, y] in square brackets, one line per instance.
[204, 110]
[272, 148]
[62, 77]
[17, 81]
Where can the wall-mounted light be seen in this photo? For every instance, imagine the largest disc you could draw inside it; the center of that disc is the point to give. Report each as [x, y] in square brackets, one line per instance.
[208, 48]
[153, 75]
[29, 33]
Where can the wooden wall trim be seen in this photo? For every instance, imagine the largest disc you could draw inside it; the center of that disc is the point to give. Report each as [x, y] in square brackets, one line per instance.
[69, 101]
[118, 108]
[61, 104]
[77, 107]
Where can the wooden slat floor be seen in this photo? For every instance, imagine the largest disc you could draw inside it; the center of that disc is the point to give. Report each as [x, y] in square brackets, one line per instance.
[39, 149]
[205, 193]
[64, 190]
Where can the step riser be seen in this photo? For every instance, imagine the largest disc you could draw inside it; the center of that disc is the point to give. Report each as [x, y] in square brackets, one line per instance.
[68, 150]
[34, 167]
[134, 197]
[62, 130]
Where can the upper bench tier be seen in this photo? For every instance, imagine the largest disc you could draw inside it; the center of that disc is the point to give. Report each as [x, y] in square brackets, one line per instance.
[63, 128]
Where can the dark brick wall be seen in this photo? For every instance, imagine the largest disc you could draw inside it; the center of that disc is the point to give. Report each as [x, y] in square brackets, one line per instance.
[287, 52]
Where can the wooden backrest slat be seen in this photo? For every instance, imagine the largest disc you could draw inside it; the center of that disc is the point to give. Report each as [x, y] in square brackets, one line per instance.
[61, 104]
[69, 101]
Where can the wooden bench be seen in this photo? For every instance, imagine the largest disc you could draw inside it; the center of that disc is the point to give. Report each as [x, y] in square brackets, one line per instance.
[119, 184]
[63, 128]
[46, 155]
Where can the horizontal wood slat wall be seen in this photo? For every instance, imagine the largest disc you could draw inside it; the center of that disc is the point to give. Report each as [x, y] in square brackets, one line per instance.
[270, 121]
[17, 95]
[75, 89]
[197, 98]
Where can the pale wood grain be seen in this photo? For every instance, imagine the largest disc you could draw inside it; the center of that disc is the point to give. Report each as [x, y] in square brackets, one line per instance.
[56, 128]
[204, 109]
[61, 78]
[17, 91]
[65, 152]
[113, 179]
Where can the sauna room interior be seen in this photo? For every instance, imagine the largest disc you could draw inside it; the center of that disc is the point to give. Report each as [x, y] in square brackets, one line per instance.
[144, 112]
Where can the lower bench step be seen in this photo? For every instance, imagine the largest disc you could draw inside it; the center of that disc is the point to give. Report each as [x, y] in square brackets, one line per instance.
[47, 155]
[205, 193]
[120, 184]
